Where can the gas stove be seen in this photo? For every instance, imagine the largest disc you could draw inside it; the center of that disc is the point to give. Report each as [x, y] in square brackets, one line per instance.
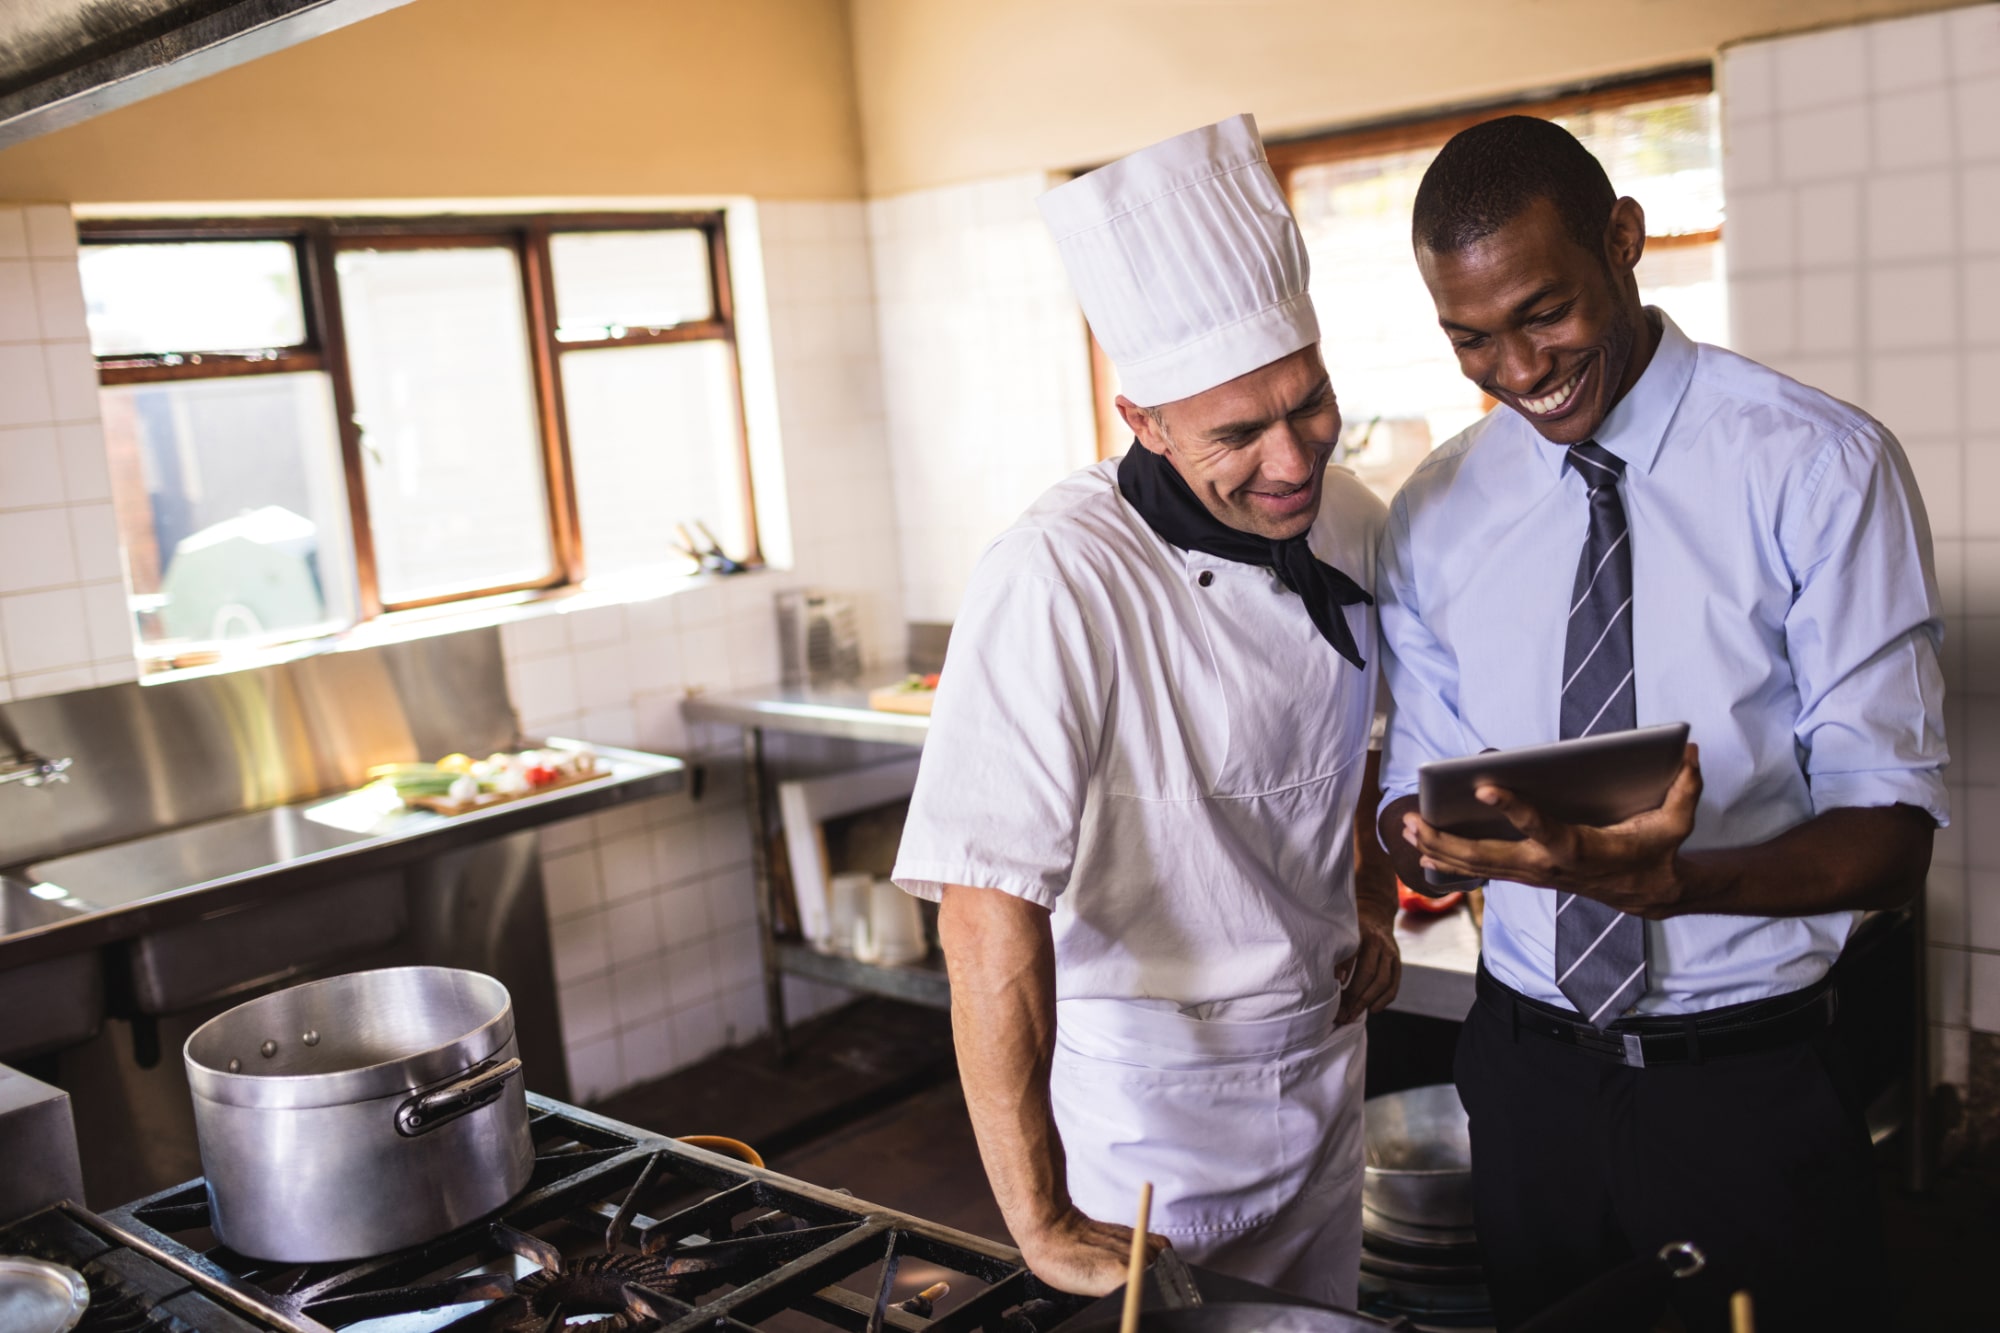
[619, 1231]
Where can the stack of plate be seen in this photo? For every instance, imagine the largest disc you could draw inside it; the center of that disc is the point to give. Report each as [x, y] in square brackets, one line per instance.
[1419, 1256]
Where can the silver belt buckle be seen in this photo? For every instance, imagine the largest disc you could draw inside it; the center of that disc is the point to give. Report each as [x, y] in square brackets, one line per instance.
[1635, 1050]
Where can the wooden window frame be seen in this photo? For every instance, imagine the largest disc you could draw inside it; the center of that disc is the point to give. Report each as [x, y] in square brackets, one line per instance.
[1431, 129]
[318, 240]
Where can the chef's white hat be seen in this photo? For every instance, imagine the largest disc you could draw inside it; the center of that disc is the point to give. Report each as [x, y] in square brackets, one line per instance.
[1187, 261]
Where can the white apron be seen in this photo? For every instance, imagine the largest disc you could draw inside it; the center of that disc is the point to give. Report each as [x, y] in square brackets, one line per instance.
[1249, 1131]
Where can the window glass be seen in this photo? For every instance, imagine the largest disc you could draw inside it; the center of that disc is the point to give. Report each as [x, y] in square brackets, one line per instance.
[232, 506]
[654, 441]
[444, 397]
[199, 296]
[610, 281]
[1401, 393]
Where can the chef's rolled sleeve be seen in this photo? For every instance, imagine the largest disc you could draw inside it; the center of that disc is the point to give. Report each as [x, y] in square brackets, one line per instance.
[1013, 740]
[1863, 633]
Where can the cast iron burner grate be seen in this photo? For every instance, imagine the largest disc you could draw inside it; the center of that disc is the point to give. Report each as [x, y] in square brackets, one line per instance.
[623, 1231]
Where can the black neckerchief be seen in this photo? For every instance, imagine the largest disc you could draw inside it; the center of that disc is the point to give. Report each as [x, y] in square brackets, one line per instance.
[1153, 487]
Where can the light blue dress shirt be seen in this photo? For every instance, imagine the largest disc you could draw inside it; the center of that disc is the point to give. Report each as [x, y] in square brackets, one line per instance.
[1784, 606]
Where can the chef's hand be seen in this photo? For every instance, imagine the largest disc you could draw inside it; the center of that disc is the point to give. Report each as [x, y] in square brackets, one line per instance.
[1634, 866]
[1075, 1254]
[1369, 980]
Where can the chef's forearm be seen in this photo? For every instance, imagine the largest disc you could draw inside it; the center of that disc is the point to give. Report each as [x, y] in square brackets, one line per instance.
[1857, 859]
[1374, 869]
[1001, 958]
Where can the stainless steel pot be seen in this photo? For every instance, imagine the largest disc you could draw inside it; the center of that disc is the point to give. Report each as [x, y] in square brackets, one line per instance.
[365, 1113]
[1419, 1157]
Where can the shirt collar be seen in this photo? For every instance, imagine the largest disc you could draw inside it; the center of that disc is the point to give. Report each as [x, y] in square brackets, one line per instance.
[1636, 427]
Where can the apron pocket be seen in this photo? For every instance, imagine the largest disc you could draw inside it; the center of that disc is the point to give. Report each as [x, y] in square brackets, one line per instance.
[1211, 1140]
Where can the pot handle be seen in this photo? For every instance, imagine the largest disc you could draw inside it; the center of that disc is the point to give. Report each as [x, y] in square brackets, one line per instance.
[456, 1097]
[1619, 1295]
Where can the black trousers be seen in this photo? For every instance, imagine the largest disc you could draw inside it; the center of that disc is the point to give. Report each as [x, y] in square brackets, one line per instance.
[1763, 1160]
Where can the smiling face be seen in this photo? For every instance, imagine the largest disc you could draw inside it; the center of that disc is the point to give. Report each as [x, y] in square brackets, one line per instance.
[1542, 324]
[1253, 450]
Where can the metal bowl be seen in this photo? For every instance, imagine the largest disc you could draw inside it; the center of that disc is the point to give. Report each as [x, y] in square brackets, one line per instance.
[1419, 1163]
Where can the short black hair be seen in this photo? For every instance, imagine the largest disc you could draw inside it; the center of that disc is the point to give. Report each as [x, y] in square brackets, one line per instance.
[1488, 175]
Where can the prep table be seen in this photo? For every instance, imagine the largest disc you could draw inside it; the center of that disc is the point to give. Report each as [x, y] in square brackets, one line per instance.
[1440, 954]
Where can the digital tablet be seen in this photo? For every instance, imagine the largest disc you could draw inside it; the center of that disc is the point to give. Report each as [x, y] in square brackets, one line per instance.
[1595, 780]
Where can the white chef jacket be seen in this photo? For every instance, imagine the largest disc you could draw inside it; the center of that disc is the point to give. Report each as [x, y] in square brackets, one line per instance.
[1159, 746]
[1784, 606]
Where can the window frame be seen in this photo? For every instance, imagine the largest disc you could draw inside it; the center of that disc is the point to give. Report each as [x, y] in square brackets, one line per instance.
[317, 241]
[1431, 129]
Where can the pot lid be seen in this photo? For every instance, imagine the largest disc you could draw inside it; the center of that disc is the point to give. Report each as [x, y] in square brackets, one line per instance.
[38, 1297]
[350, 1038]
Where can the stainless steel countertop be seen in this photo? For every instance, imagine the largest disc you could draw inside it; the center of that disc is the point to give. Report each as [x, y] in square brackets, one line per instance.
[1440, 954]
[840, 710]
[164, 879]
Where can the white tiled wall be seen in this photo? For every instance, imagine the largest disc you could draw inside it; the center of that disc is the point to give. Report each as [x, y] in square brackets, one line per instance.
[1862, 171]
[650, 905]
[63, 618]
[985, 373]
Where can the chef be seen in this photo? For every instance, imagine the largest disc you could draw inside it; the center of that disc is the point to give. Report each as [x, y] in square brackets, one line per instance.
[1137, 804]
[1650, 530]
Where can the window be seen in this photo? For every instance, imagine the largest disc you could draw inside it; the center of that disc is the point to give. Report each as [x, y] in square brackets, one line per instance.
[1401, 393]
[314, 421]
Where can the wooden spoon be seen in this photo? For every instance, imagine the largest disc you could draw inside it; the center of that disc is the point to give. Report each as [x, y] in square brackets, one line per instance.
[1135, 1271]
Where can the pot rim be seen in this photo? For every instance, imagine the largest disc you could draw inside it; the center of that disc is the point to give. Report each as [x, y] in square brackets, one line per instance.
[388, 1078]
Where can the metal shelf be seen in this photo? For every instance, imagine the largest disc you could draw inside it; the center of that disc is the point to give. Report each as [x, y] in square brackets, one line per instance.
[919, 983]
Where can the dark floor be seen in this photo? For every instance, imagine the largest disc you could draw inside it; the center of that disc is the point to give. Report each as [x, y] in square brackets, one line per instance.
[870, 1103]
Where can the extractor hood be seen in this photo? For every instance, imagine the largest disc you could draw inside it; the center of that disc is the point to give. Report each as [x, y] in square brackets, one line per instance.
[62, 61]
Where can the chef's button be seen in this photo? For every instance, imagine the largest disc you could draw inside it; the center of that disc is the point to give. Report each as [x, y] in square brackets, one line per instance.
[1206, 577]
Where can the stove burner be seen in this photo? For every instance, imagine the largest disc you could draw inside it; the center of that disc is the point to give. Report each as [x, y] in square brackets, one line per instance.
[596, 1284]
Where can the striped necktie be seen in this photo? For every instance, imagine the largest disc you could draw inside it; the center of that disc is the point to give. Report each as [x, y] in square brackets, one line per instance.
[1600, 951]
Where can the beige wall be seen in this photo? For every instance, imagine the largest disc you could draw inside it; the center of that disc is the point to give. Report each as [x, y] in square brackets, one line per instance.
[467, 98]
[962, 91]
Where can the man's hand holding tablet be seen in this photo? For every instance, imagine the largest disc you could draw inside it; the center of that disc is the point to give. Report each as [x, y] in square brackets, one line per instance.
[1602, 816]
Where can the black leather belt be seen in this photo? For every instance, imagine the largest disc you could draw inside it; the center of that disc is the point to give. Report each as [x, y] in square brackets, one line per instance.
[1670, 1039]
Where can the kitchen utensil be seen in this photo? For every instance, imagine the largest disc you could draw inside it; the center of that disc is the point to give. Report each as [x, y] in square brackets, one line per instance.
[895, 926]
[1135, 1267]
[1419, 1158]
[1623, 1295]
[1176, 1283]
[361, 1114]
[818, 639]
[850, 897]
[38, 1297]
[1742, 1314]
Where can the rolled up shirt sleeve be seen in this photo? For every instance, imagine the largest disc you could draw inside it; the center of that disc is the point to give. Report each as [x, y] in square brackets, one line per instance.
[1014, 736]
[1419, 675]
[1864, 630]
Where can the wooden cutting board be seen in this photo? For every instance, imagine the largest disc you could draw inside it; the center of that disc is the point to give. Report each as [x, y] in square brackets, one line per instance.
[894, 699]
[444, 805]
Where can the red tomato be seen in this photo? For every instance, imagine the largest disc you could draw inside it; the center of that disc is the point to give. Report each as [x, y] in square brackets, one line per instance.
[541, 775]
[1410, 900]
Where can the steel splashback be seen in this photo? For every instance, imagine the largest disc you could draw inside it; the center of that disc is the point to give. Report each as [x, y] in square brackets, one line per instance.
[149, 758]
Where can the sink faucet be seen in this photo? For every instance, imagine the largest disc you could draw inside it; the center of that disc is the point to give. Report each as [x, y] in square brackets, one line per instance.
[33, 770]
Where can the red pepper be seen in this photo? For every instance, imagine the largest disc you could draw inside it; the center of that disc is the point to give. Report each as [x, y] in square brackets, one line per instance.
[1410, 900]
[930, 681]
[541, 775]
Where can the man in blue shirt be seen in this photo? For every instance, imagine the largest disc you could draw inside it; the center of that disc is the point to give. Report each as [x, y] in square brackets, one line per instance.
[1649, 530]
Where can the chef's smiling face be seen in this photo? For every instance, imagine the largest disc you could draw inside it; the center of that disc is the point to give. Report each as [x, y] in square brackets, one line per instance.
[1253, 450]
[1543, 324]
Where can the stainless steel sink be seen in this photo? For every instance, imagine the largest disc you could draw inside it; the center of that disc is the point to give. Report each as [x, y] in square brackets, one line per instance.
[54, 1003]
[198, 854]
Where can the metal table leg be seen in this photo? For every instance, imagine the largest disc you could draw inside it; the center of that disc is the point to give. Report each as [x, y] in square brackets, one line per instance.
[754, 797]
